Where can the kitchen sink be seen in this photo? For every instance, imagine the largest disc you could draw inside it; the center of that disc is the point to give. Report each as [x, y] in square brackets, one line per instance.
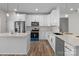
[58, 33]
[77, 36]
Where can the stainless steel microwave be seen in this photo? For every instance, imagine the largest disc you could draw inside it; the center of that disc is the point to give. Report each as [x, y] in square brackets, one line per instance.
[34, 23]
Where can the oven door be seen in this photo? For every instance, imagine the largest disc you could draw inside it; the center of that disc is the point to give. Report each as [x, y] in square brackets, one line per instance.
[34, 36]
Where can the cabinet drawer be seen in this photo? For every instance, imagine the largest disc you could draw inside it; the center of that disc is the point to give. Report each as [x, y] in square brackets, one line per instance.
[69, 47]
[69, 50]
[69, 54]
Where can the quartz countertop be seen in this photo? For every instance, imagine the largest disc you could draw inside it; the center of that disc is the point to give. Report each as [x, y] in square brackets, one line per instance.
[13, 35]
[70, 38]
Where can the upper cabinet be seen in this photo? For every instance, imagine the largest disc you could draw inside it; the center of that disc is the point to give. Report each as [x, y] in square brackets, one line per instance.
[54, 17]
[42, 19]
[51, 19]
[3, 22]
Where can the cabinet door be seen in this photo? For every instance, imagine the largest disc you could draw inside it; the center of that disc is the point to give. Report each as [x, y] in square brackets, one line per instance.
[49, 39]
[28, 20]
[68, 49]
[40, 35]
[53, 42]
[59, 47]
[43, 36]
[41, 21]
[46, 21]
[28, 43]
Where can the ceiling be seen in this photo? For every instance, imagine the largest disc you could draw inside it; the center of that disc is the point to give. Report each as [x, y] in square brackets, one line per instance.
[42, 7]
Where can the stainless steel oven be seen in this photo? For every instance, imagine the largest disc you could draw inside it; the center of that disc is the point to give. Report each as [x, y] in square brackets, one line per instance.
[35, 31]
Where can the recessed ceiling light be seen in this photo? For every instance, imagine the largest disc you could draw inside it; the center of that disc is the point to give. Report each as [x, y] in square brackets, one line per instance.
[36, 9]
[78, 9]
[66, 15]
[15, 9]
[71, 9]
[17, 14]
[7, 14]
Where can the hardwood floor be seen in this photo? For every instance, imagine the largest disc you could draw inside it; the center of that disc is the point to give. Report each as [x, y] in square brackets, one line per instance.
[40, 48]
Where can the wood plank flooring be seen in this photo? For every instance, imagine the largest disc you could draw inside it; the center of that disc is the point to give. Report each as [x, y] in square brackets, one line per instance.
[40, 48]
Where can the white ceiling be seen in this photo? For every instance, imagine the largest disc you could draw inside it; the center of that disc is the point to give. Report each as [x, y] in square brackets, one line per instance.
[43, 7]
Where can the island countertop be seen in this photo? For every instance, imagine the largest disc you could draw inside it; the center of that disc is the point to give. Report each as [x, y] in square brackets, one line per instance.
[14, 34]
[70, 38]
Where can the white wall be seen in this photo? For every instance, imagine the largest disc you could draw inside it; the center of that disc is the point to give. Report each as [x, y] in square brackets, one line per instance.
[74, 23]
[3, 22]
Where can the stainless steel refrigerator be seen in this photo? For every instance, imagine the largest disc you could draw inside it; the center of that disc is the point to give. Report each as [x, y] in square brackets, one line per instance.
[19, 26]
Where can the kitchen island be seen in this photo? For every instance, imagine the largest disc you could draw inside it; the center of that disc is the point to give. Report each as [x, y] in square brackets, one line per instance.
[14, 44]
[67, 44]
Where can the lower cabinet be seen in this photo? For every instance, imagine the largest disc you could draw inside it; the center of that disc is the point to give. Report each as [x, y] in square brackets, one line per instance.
[59, 47]
[43, 35]
[51, 40]
[69, 50]
[63, 48]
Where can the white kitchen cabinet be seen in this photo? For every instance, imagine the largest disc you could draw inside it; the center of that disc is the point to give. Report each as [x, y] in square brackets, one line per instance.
[54, 17]
[51, 40]
[69, 50]
[43, 35]
[29, 19]
[41, 20]
[44, 21]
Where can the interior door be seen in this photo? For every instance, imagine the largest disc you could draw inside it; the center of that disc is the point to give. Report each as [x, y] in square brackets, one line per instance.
[63, 24]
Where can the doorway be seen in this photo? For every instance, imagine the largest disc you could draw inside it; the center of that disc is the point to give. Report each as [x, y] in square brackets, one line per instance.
[64, 25]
